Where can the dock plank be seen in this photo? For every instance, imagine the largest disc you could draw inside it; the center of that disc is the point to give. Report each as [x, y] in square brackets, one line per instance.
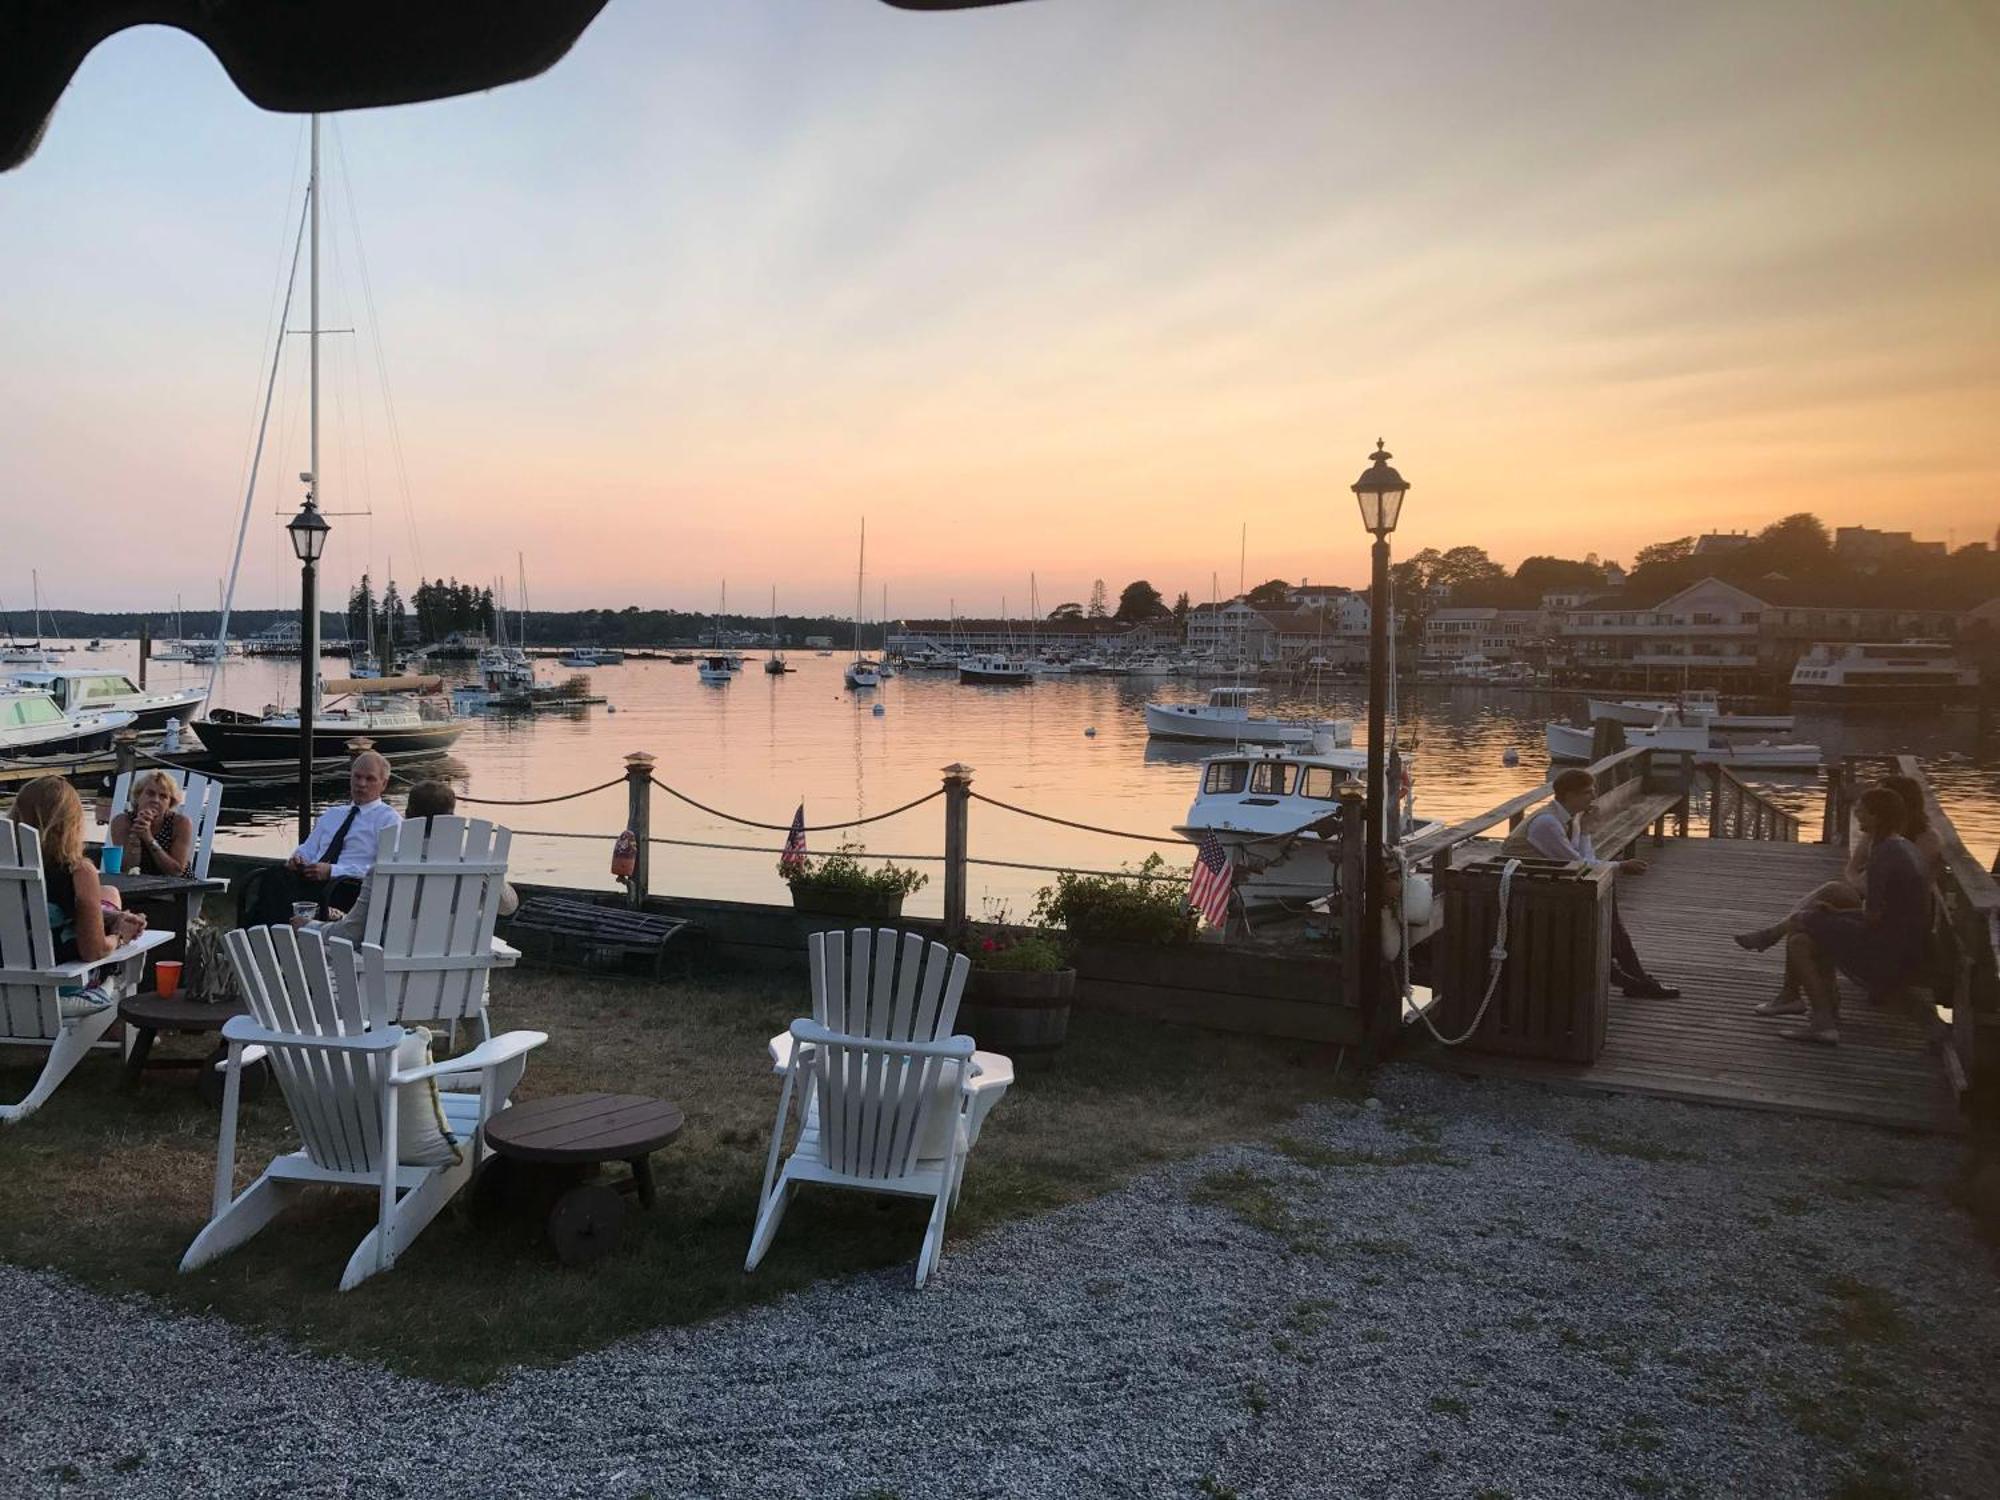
[1708, 1046]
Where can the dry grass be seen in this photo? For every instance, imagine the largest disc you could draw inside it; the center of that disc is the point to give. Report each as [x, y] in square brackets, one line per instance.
[111, 1187]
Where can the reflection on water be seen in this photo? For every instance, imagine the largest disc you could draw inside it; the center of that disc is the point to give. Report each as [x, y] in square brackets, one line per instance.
[761, 745]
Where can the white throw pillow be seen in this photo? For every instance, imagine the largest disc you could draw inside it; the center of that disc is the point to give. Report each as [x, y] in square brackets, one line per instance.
[423, 1136]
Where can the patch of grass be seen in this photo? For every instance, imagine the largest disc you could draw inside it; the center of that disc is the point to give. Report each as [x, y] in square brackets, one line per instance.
[1252, 1198]
[127, 1463]
[1636, 1147]
[1644, 1484]
[1862, 1314]
[1878, 1476]
[1487, 1492]
[1426, 1128]
[109, 1188]
[1792, 1204]
[1309, 1315]
[1257, 1398]
[1215, 1489]
[1377, 1247]
[1450, 1406]
[1312, 1154]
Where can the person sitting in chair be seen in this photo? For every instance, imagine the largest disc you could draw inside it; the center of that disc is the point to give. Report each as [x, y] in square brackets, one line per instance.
[428, 799]
[328, 868]
[1556, 832]
[156, 837]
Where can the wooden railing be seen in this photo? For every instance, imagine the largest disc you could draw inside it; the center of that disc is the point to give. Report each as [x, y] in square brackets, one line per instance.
[1737, 810]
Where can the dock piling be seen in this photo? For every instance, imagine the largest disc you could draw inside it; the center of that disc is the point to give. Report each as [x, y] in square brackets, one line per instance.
[957, 804]
[639, 818]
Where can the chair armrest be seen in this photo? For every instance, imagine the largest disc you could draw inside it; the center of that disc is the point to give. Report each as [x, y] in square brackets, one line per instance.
[807, 1032]
[488, 1054]
[145, 942]
[245, 1029]
[506, 952]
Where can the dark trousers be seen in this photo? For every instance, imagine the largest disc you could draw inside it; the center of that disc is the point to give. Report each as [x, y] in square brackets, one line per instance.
[1624, 957]
[268, 898]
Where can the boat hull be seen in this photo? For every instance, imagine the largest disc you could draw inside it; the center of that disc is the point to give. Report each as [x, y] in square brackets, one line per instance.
[985, 677]
[1187, 721]
[255, 743]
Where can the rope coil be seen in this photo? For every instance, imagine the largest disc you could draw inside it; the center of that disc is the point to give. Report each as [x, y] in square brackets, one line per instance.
[1496, 958]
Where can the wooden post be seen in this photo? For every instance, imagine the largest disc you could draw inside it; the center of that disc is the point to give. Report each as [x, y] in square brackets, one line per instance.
[639, 818]
[1356, 947]
[145, 651]
[1715, 802]
[1686, 773]
[957, 805]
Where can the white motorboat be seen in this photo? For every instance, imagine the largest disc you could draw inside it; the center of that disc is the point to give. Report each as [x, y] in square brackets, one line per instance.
[576, 660]
[1149, 666]
[862, 672]
[1227, 717]
[32, 723]
[1277, 813]
[995, 669]
[86, 690]
[1865, 672]
[714, 667]
[1567, 742]
[1695, 707]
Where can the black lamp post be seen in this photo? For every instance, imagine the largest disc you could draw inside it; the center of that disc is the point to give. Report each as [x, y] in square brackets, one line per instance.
[1380, 492]
[308, 531]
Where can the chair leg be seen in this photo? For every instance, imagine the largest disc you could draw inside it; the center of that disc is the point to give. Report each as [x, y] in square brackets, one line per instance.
[68, 1049]
[933, 1251]
[252, 1209]
[769, 1212]
[403, 1223]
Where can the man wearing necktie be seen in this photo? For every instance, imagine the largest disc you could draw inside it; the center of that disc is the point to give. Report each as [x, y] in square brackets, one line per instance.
[336, 857]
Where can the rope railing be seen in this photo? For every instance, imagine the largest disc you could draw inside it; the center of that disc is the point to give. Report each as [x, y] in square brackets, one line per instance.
[714, 812]
[1113, 833]
[544, 801]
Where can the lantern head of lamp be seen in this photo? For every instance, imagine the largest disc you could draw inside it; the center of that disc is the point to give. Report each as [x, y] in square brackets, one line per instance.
[1380, 492]
[308, 529]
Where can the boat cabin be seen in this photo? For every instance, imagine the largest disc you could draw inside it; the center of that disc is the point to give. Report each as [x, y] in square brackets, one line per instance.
[23, 708]
[82, 692]
[1261, 780]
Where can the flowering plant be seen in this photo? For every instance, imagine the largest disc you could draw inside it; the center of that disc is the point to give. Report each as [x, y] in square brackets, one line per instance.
[843, 871]
[996, 943]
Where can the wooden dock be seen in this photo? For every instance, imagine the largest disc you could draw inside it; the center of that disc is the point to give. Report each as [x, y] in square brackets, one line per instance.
[1707, 1046]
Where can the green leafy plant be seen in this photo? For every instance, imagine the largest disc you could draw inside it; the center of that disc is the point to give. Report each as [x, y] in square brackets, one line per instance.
[998, 944]
[842, 872]
[1135, 906]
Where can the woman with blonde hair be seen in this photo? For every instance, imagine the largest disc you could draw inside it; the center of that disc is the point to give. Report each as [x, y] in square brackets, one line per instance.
[84, 917]
[156, 837]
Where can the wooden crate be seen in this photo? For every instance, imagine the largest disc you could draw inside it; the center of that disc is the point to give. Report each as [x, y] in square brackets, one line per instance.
[1553, 995]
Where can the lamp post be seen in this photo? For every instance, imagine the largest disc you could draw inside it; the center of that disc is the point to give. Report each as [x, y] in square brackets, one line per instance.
[308, 532]
[1380, 492]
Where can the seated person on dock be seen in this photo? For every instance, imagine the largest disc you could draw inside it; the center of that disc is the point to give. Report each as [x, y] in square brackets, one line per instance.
[328, 868]
[156, 839]
[1847, 892]
[428, 799]
[85, 919]
[1880, 945]
[1556, 832]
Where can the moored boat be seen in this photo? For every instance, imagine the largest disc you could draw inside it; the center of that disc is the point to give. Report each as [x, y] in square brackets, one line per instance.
[32, 724]
[1227, 717]
[86, 690]
[1870, 672]
[995, 669]
[403, 717]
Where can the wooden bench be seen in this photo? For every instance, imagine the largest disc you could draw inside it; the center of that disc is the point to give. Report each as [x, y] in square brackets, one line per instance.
[1638, 794]
[566, 933]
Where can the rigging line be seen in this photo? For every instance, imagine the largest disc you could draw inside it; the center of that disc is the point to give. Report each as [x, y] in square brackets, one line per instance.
[375, 342]
[280, 282]
[1143, 838]
[786, 827]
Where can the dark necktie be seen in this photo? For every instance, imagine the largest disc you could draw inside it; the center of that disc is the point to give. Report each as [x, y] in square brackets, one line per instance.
[340, 836]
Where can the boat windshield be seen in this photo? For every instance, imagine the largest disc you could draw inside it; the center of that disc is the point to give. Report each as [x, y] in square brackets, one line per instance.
[28, 712]
[1225, 776]
[1274, 777]
[1321, 782]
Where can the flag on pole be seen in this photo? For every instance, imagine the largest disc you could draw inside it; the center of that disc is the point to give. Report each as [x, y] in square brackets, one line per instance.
[794, 856]
[1208, 891]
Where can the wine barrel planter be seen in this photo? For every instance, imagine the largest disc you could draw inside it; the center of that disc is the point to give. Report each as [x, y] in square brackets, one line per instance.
[866, 906]
[1024, 1016]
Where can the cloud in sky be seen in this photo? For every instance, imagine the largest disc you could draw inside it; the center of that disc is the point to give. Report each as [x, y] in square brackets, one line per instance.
[1077, 287]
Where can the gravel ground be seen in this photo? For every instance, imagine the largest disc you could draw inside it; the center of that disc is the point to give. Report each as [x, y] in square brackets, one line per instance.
[1462, 1290]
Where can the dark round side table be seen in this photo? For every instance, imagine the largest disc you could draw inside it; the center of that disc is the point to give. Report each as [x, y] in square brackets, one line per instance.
[545, 1155]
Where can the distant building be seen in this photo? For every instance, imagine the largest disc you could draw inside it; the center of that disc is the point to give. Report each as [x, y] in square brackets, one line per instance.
[1495, 635]
[819, 643]
[1711, 542]
[1867, 549]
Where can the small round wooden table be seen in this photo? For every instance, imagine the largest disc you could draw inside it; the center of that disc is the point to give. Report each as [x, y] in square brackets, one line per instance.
[565, 1139]
[149, 1013]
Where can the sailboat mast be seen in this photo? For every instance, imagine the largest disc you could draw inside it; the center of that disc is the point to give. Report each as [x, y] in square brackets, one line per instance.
[860, 575]
[309, 644]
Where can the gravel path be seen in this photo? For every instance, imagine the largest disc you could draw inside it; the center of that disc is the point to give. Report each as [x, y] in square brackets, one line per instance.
[1470, 1290]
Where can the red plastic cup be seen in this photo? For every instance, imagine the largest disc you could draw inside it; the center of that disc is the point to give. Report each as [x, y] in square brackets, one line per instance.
[167, 978]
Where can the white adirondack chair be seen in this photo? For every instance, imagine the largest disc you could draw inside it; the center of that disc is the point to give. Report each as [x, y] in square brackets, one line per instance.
[888, 1103]
[33, 1010]
[202, 806]
[320, 1011]
[437, 895]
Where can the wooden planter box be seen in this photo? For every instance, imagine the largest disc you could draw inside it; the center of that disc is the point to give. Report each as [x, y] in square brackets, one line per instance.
[1551, 999]
[858, 905]
[1225, 989]
[1024, 1016]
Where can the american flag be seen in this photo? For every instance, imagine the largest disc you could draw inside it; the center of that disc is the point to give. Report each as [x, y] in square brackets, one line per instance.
[1208, 891]
[794, 854]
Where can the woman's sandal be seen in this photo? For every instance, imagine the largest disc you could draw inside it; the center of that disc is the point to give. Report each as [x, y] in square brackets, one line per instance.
[1780, 1006]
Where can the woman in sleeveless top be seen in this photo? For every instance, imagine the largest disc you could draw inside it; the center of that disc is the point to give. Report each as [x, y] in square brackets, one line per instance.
[156, 837]
[84, 918]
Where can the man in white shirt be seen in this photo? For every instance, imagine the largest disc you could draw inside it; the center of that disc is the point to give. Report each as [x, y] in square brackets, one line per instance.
[1556, 832]
[330, 865]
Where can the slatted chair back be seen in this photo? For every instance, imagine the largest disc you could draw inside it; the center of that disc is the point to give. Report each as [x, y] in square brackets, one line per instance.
[889, 985]
[438, 883]
[876, 1101]
[202, 806]
[27, 947]
[299, 984]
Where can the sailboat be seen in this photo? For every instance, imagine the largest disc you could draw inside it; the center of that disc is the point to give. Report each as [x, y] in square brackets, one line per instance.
[17, 653]
[861, 672]
[774, 664]
[887, 669]
[401, 716]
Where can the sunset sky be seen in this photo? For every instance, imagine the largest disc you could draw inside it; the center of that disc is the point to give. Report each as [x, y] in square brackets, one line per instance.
[1075, 288]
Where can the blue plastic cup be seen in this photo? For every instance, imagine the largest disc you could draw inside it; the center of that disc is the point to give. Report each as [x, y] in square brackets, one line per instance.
[111, 859]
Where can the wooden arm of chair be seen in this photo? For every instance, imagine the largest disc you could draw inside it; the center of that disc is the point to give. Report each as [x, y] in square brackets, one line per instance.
[144, 943]
[244, 1029]
[488, 1054]
[805, 1032]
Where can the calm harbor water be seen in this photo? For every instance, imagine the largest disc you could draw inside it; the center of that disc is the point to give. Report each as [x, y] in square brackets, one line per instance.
[759, 746]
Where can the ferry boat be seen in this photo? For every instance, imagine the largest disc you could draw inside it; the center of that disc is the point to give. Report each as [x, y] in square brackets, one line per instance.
[1883, 672]
[82, 691]
[405, 717]
[1277, 813]
[1227, 717]
[31, 723]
